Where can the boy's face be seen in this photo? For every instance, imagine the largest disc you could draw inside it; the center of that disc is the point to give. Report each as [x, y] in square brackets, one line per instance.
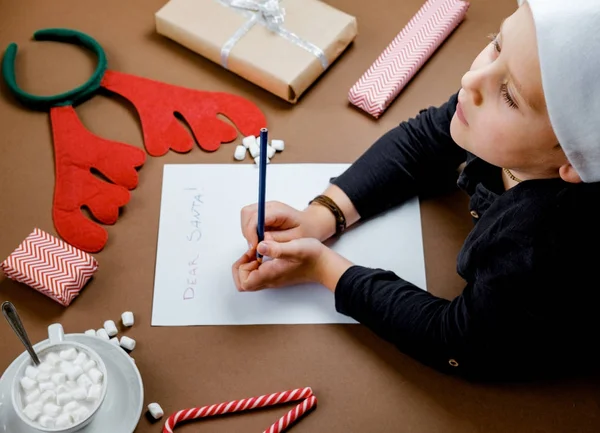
[501, 116]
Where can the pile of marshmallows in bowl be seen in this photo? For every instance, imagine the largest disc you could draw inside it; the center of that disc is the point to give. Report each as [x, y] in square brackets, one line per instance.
[64, 391]
[252, 144]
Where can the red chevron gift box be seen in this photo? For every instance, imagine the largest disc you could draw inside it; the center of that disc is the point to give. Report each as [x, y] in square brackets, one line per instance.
[51, 266]
[406, 54]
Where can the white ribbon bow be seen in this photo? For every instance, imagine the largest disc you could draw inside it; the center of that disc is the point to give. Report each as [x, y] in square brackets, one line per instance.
[270, 10]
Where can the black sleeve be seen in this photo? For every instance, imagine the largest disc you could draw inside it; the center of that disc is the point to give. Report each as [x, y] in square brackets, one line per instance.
[418, 157]
[497, 328]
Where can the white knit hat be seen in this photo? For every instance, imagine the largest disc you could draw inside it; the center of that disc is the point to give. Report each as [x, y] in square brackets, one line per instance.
[568, 38]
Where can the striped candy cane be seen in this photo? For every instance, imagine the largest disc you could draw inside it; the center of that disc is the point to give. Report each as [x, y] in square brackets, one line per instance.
[248, 404]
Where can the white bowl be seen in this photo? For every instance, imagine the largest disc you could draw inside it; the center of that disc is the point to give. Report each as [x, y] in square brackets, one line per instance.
[57, 343]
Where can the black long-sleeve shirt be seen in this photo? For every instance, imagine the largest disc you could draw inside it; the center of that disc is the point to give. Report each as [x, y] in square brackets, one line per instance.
[531, 262]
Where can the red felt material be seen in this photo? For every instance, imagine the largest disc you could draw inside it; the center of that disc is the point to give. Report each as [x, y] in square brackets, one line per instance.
[157, 102]
[76, 152]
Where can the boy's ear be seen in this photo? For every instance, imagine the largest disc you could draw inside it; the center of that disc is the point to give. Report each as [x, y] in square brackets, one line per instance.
[568, 174]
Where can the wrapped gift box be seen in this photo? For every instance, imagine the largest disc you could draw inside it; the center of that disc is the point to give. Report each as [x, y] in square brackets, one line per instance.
[51, 266]
[406, 54]
[281, 46]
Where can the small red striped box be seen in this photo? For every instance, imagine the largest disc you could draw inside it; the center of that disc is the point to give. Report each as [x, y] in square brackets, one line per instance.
[51, 266]
[406, 54]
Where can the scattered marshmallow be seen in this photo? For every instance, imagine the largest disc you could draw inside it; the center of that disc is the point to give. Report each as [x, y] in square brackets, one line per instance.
[270, 152]
[89, 365]
[257, 160]
[32, 412]
[47, 421]
[52, 359]
[28, 384]
[59, 378]
[84, 382]
[68, 354]
[94, 393]
[80, 414]
[278, 145]
[95, 376]
[51, 409]
[81, 358]
[155, 410]
[102, 334]
[127, 317]
[254, 150]
[43, 377]
[239, 153]
[111, 328]
[48, 397]
[47, 386]
[63, 398]
[31, 372]
[127, 343]
[33, 396]
[247, 141]
[79, 394]
[90, 332]
[115, 341]
[64, 420]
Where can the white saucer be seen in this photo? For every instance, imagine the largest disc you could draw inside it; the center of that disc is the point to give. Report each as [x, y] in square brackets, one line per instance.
[122, 408]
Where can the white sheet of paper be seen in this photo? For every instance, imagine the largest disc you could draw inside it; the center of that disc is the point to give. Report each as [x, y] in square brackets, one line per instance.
[200, 237]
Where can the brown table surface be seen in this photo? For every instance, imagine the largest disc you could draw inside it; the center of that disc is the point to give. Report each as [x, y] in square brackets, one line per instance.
[362, 383]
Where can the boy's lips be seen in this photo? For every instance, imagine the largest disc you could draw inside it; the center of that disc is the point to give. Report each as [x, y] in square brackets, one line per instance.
[460, 114]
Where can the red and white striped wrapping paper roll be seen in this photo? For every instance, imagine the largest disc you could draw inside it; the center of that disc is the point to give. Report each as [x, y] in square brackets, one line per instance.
[51, 266]
[406, 54]
[304, 394]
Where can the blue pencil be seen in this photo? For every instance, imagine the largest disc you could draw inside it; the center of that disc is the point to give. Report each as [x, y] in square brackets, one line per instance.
[262, 185]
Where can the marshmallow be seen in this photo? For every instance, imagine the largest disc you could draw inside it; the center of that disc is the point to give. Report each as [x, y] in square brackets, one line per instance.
[43, 377]
[32, 412]
[95, 375]
[79, 394]
[247, 141]
[31, 372]
[90, 364]
[84, 382]
[90, 332]
[257, 160]
[59, 378]
[81, 359]
[155, 410]
[74, 372]
[254, 150]
[70, 407]
[270, 152]
[47, 386]
[127, 343]
[278, 145]
[65, 420]
[102, 334]
[33, 396]
[127, 318]
[63, 398]
[61, 389]
[68, 354]
[80, 414]
[65, 366]
[47, 421]
[71, 384]
[45, 367]
[239, 153]
[52, 359]
[48, 397]
[94, 393]
[52, 410]
[111, 328]
[114, 341]
[28, 384]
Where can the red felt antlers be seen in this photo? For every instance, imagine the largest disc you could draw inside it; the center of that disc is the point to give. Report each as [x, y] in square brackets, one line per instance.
[157, 103]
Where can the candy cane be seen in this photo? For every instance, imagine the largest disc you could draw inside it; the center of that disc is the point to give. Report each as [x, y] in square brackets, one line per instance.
[249, 404]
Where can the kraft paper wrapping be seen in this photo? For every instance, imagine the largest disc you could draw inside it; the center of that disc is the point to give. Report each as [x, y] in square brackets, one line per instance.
[261, 56]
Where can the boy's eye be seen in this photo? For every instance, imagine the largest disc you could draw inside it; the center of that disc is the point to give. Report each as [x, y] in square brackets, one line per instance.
[494, 38]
